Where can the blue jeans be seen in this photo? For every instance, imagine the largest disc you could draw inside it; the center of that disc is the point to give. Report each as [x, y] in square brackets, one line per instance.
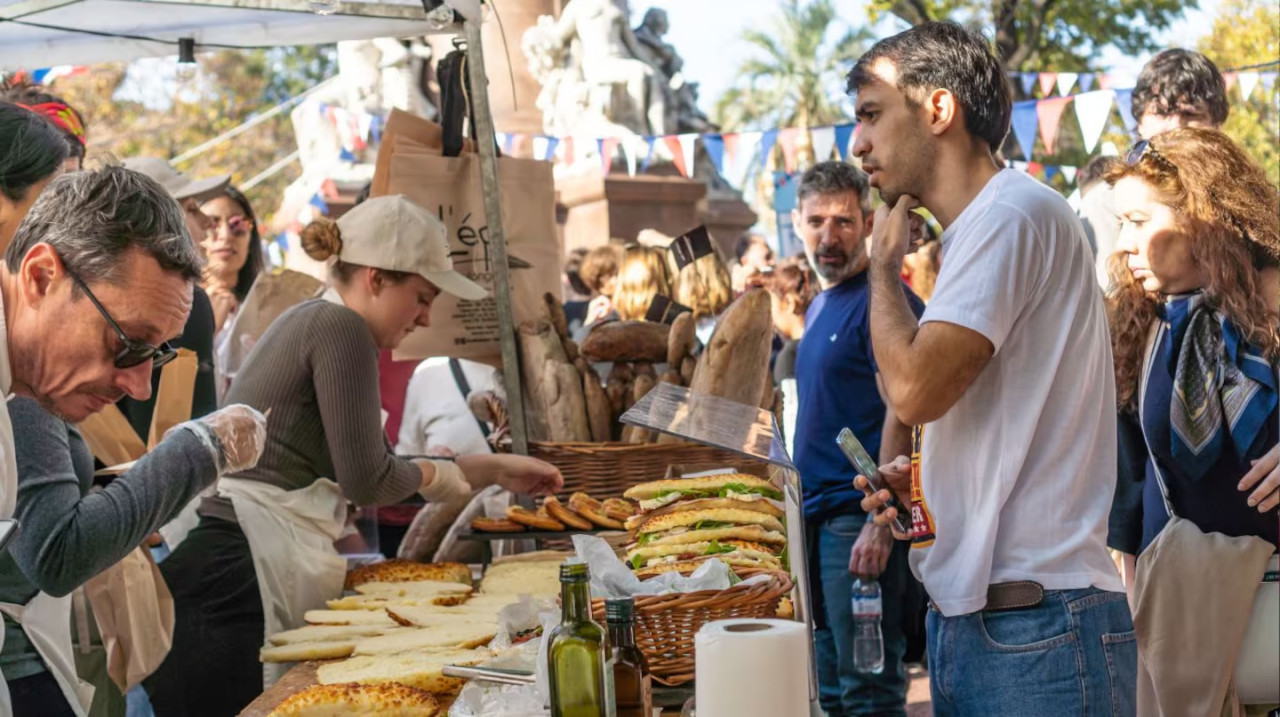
[842, 690]
[1073, 655]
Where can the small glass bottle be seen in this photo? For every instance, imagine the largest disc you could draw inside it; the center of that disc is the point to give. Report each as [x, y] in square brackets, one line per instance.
[576, 650]
[632, 688]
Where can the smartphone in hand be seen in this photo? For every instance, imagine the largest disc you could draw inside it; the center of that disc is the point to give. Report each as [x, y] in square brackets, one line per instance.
[858, 456]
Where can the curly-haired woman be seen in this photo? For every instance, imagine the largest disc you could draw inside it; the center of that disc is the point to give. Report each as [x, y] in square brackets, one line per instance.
[1194, 331]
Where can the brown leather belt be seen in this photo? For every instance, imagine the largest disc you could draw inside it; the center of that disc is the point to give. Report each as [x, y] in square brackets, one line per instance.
[1010, 596]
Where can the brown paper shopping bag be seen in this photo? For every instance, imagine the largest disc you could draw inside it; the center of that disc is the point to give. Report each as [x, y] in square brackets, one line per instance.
[450, 188]
[131, 603]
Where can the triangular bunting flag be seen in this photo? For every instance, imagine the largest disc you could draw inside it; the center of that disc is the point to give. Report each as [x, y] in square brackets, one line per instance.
[1020, 166]
[1028, 82]
[1024, 126]
[677, 153]
[1104, 81]
[1086, 81]
[1066, 80]
[1050, 114]
[1047, 81]
[730, 150]
[629, 154]
[767, 140]
[1268, 80]
[1070, 174]
[648, 155]
[844, 133]
[687, 143]
[1050, 171]
[1248, 81]
[748, 143]
[569, 155]
[518, 145]
[824, 140]
[1074, 200]
[607, 147]
[789, 139]
[509, 144]
[1034, 168]
[714, 144]
[1230, 79]
[1124, 100]
[544, 147]
[1092, 110]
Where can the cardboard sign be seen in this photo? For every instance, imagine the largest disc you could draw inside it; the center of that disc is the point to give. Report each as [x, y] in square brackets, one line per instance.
[691, 246]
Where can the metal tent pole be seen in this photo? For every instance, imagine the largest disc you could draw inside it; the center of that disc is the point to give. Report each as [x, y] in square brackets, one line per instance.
[497, 239]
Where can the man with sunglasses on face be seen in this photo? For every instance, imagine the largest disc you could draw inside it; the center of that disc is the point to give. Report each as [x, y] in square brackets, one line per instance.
[96, 281]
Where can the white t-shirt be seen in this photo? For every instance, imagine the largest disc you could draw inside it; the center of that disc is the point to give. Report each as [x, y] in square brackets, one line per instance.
[436, 412]
[1019, 475]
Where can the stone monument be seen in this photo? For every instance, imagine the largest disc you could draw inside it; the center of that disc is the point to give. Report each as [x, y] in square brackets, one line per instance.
[599, 77]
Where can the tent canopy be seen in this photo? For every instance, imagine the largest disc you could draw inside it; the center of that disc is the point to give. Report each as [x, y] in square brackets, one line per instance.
[81, 32]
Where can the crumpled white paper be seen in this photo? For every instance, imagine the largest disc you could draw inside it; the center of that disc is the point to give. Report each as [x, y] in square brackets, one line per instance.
[611, 578]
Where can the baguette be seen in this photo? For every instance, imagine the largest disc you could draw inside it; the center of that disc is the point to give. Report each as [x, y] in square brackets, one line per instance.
[680, 342]
[599, 411]
[555, 313]
[627, 341]
[496, 525]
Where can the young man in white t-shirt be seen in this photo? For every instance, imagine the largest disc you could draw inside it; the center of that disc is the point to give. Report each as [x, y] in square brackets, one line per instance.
[1008, 380]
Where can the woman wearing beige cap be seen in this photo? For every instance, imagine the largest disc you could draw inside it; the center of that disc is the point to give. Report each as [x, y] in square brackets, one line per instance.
[263, 552]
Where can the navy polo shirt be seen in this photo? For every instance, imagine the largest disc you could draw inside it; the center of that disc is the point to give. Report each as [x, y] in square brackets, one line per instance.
[836, 382]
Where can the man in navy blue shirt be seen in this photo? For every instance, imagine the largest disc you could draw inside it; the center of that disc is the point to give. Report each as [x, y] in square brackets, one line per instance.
[838, 385]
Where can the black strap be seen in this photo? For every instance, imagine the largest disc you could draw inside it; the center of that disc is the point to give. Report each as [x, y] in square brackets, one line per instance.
[464, 387]
[454, 86]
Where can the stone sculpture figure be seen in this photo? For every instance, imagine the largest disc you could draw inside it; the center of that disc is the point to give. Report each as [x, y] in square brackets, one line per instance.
[590, 63]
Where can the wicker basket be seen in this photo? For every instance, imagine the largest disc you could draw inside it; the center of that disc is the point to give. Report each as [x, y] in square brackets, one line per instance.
[607, 470]
[666, 624]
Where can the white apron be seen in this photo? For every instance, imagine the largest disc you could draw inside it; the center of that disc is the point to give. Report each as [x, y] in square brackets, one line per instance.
[291, 536]
[46, 620]
[8, 463]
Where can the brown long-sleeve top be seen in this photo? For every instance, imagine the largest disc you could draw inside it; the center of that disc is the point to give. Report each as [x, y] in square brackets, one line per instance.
[316, 369]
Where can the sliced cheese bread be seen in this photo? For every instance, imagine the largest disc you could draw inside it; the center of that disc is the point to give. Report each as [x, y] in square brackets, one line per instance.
[423, 670]
[388, 699]
[459, 634]
[328, 633]
[303, 651]
[540, 578]
[371, 618]
[417, 588]
[380, 601]
[402, 571]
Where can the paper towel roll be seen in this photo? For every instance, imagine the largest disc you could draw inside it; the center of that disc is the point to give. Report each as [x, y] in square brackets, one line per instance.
[752, 668]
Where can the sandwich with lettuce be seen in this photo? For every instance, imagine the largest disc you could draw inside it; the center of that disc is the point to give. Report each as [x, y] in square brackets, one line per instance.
[732, 517]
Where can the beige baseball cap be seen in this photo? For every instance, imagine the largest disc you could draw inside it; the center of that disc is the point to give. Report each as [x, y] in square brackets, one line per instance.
[179, 185]
[395, 234]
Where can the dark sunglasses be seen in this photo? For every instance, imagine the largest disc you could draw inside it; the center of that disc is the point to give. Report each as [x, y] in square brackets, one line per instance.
[134, 352]
[1144, 148]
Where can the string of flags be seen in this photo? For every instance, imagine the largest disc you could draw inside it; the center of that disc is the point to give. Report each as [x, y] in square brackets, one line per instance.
[1064, 82]
[732, 153]
[46, 75]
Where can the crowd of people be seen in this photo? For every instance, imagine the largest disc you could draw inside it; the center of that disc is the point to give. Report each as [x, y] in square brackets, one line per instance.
[132, 262]
[1040, 388]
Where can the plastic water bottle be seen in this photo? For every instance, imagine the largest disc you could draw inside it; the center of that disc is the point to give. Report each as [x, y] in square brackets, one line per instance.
[868, 641]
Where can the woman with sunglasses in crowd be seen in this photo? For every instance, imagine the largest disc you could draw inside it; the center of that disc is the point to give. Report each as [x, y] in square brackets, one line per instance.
[69, 534]
[1194, 331]
[234, 250]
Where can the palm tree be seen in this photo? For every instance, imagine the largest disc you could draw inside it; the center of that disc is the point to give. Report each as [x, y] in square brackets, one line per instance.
[795, 78]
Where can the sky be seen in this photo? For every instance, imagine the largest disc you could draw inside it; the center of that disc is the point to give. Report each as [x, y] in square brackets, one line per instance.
[706, 33]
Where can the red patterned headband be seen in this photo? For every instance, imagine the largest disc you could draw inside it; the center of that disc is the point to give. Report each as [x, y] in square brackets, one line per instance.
[63, 116]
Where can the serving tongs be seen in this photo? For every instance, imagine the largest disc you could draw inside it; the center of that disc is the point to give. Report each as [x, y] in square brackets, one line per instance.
[496, 675]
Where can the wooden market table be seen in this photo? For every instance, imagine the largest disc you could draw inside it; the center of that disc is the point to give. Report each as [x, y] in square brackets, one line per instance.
[299, 678]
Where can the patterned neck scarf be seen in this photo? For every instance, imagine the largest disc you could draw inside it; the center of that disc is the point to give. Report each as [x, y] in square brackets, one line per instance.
[1223, 389]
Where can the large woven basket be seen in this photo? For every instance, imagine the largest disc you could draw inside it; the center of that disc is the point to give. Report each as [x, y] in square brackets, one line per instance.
[607, 470]
[666, 624]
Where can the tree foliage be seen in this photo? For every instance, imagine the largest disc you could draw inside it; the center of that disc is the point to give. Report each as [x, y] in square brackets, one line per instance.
[1247, 32]
[231, 87]
[1063, 35]
[795, 76]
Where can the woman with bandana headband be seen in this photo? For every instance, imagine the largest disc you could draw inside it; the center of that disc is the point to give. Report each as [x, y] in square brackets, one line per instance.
[63, 116]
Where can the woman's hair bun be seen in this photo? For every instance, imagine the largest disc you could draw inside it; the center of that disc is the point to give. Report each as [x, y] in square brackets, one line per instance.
[321, 239]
